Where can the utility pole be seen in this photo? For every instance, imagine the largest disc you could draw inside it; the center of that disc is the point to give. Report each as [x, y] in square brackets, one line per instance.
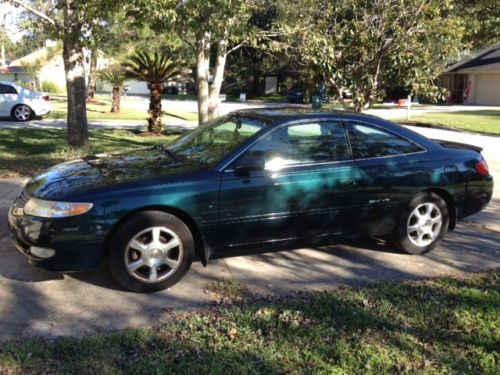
[2, 54]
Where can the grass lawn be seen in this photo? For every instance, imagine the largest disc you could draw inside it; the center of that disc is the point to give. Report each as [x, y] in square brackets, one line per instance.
[447, 325]
[28, 151]
[485, 121]
[100, 111]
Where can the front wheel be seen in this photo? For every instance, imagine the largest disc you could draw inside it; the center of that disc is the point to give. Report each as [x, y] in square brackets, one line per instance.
[423, 224]
[22, 113]
[151, 251]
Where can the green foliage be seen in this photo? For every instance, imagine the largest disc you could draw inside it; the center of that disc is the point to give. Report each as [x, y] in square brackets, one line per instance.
[481, 20]
[27, 151]
[50, 87]
[156, 69]
[441, 326]
[7, 43]
[113, 75]
[28, 43]
[364, 46]
[152, 67]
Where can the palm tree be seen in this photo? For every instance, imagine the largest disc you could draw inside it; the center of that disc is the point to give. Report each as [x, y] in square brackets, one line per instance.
[155, 69]
[115, 76]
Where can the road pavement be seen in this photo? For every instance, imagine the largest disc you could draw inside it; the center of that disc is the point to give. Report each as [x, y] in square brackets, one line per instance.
[34, 302]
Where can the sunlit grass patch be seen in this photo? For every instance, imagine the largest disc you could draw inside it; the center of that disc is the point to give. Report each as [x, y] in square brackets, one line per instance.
[446, 325]
[28, 151]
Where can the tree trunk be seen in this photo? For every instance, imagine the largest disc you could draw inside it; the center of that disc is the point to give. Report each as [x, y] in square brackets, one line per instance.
[220, 63]
[91, 87]
[202, 76]
[155, 112]
[75, 88]
[115, 101]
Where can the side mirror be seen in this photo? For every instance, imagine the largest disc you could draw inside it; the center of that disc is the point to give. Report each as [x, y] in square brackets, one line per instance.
[250, 163]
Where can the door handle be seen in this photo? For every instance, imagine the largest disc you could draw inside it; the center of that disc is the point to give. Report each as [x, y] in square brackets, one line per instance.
[347, 183]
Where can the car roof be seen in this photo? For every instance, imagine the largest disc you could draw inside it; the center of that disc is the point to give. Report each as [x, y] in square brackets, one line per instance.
[285, 114]
[276, 116]
[7, 83]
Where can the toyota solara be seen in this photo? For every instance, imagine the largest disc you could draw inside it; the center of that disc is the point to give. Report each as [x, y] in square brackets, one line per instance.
[254, 180]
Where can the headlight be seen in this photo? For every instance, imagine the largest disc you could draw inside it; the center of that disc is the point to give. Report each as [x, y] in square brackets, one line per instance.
[51, 209]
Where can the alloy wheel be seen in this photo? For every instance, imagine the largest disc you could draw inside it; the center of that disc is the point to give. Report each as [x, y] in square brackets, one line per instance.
[153, 254]
[424, 224]
[22, 113]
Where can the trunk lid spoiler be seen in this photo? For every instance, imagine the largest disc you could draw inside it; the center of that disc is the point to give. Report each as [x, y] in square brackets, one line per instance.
[450, 144]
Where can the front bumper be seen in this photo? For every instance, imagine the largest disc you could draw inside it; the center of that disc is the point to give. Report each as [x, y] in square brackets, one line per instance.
[77, 241]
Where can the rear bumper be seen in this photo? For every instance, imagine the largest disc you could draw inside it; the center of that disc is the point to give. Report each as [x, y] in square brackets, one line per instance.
[477, 197]
[40, 111]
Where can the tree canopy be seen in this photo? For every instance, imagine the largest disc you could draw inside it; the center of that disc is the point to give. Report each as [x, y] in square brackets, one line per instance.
[365, 45]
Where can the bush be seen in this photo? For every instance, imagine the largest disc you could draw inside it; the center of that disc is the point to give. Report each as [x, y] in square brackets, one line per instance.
[50, 87]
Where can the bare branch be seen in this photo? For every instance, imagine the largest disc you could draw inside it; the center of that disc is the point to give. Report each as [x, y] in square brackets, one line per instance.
[238, 46]
[35, 12]
[189, 43]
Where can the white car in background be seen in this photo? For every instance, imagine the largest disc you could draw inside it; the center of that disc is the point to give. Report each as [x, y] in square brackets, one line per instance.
[21, 103]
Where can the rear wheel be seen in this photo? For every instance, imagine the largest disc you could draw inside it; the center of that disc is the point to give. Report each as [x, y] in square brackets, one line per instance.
[423, 224]
[151, 251]
[22, 112]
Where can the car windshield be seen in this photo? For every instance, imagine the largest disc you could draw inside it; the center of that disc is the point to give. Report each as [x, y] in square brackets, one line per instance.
[209, 144]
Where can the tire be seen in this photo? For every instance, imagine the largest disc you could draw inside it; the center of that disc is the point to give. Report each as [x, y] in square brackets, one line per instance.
[22, 112]
[422, 225]
[151, 240]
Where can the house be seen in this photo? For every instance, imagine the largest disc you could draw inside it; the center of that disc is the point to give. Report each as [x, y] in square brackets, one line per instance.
[46, 64]
[14, 74]
[475, 79]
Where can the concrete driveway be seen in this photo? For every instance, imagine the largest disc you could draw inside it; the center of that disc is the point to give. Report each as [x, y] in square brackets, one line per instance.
[34, 302]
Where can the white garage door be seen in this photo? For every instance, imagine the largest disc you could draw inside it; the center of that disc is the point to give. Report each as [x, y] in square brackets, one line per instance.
[488, 89]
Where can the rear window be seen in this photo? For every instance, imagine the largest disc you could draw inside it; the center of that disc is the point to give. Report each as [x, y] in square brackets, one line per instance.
[370, 142]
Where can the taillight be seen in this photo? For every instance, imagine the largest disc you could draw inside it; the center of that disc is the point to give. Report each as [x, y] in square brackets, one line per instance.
[482, 168]
[46, 98]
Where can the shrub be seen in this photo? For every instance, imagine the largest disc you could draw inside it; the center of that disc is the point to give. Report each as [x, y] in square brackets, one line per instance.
[50, 87]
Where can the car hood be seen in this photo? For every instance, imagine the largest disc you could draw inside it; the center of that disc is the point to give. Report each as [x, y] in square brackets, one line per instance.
[104, 170]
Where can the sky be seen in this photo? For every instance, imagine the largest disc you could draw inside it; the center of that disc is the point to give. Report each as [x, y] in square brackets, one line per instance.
[9, 14]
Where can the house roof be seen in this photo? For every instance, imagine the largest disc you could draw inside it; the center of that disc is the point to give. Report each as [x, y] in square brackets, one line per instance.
[39, 54]
[12, 69]
[487, 60]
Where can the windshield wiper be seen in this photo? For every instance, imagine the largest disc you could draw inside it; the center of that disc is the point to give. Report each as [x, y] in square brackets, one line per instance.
[168, 152]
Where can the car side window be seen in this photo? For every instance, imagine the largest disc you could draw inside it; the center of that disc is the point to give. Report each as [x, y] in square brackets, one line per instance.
[210, 144]
[302, 144]
[7, 89]
[370, 142]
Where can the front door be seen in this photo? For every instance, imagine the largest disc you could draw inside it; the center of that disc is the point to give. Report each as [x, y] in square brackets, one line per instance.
[305, 190]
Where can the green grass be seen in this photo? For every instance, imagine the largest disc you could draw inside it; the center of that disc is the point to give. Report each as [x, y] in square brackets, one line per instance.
[100, 110]
[483, 121]
[447, 325]
[28, 151]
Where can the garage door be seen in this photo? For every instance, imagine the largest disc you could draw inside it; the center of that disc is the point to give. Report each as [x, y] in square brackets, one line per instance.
[488, 89]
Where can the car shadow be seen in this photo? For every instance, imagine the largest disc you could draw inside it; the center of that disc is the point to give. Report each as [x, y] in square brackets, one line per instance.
[104, 279]
[11, 119]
